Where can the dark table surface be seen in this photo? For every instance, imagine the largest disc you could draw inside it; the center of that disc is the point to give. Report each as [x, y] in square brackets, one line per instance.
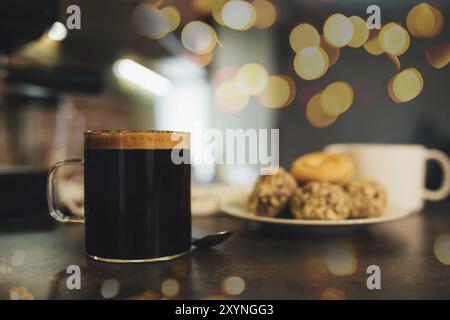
[256, 263]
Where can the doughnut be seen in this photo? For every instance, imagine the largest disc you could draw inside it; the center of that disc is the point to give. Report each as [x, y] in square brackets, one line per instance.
[324, 167]
[271, 194]
[368, 198]
[320, 201]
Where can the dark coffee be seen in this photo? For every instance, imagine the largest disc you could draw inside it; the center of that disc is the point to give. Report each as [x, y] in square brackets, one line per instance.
[137, 200]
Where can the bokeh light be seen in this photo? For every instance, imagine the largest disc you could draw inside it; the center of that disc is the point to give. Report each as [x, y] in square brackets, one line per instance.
[198, 37]
[311, 63]
[394, 39]
[57, 32]
[424, 21]
[372, 45]
[391, 90]
[202, 6]
[201, 60]
[150, 22]
[360, 32]
[315, 115]
[395, 61]
[405, 85]
[170, 288]
[110, 288]
[332, 294]
[252, 78]
[216, 10]
[341, 259]
[303, 36]
[441, 248]
[336, 98]
[233, 286]
[266, 14]
[238, 15]
[332, 52]
[224, 74]
[20, 293]
[229, 98]
[338, 30]
[438, 56]
[173, 16]
[279, 92]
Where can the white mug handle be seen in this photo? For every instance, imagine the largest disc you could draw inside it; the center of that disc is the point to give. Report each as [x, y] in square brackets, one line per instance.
[444, 190]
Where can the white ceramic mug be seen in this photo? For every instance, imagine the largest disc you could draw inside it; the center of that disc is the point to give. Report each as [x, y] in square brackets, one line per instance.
[401, 169]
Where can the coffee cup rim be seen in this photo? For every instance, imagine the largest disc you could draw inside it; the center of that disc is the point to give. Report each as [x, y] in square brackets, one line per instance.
[119, 132]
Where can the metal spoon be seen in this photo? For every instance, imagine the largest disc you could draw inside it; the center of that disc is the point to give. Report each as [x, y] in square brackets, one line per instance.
[211, 240]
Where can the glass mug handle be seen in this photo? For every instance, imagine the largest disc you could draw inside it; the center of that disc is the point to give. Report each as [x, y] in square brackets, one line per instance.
[51, 192]
[444, 190]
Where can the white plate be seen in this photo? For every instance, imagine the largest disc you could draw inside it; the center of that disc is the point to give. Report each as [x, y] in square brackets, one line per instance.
[237, 209]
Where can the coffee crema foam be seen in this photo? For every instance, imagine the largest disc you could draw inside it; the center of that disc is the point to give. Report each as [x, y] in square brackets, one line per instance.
[116, 139]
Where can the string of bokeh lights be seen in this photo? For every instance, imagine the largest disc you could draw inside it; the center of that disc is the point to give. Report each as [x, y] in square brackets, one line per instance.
[315, 53]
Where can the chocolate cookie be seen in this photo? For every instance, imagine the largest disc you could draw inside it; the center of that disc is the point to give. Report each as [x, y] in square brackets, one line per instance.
[271, 194]
[368, 198]
[320, 201]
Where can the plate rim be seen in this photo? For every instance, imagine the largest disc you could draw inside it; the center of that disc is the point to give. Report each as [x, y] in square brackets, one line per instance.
[229, 208]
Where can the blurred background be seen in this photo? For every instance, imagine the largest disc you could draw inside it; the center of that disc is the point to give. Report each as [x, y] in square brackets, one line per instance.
[311, 68]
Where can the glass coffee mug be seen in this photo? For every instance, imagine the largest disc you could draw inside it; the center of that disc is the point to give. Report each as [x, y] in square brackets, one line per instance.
[137, 195]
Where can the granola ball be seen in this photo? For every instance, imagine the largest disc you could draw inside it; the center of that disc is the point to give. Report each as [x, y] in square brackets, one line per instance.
[320, 201]
[368, 198]
[271, 194]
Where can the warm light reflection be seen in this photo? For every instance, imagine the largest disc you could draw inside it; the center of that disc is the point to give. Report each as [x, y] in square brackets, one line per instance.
[57, 32]
[150, 22]
[173, 16]
[303, 36]
[441, 248]
[424, 21]
[251, 78]
[338, 30]
[110, 288]
[146, 295]
[277, 94]
[332, 294]
[336, 98]
[229, 98]
[341, 259]
[198, 37]
[266, 14]
[315, 115]
[233, 286]
[406, 85]
[238, 15]
[360, 32]
[438, 56]
[170, 288]
[372, 45]
[332, 52]
[394, 39]
[142, 77]
[311, 63]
